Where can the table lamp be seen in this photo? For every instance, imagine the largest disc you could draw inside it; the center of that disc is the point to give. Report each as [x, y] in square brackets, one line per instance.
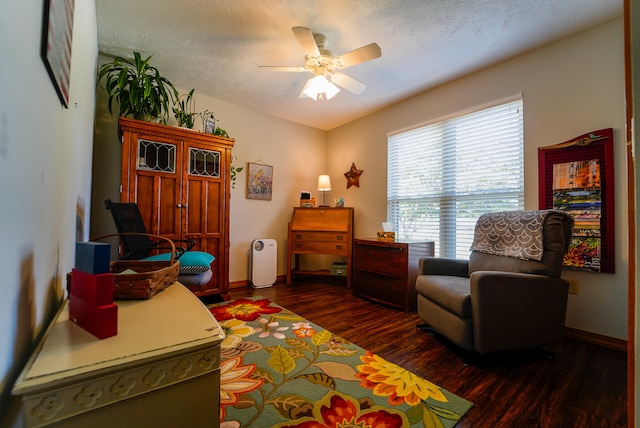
[324, 184]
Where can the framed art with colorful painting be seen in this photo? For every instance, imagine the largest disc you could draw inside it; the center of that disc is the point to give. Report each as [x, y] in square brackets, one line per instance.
[259, 181]
[576, 176]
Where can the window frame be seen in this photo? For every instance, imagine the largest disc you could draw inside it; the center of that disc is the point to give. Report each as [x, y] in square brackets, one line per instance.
[450, 226]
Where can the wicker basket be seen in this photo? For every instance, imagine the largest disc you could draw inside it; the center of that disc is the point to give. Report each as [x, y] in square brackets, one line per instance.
[149, 278]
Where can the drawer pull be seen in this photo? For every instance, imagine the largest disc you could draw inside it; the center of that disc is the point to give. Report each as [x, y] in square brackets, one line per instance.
[339, 247]
[299, 245]
[298, 236]
[339, 237]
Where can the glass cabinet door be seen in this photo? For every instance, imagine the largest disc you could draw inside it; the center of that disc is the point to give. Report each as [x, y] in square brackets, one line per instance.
[155, 156]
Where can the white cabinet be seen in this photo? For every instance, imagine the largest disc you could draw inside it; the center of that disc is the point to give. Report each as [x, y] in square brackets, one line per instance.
[161, 369]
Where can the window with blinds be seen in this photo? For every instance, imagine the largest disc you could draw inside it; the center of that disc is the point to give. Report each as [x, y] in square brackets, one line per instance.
[443, 176]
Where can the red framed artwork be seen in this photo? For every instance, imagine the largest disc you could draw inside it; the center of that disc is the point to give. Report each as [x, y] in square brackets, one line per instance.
[576, 176]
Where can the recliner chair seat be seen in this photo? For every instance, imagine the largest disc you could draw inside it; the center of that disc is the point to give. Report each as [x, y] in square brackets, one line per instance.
[450, 292]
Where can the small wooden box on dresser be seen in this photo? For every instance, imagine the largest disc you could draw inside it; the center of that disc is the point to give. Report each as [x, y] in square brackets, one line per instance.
[386, 271]
[319, 231]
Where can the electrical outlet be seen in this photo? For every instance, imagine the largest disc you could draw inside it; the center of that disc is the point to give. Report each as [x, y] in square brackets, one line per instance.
[573, 285]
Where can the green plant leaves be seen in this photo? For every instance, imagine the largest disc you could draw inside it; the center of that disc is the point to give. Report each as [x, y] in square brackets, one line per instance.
[137, 87]
[184, 110]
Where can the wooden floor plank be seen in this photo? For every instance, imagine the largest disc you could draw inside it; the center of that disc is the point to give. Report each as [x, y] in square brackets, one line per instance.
[584, 386]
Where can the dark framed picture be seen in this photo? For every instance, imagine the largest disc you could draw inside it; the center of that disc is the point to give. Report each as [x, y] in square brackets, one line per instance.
[55, 47]
[577, 177]
[259, 181]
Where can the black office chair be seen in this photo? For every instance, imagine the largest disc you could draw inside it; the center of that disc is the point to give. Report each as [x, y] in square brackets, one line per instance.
[195, 266]
[127, 218]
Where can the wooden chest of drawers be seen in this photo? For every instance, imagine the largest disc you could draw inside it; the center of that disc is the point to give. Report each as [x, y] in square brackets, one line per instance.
[319, 231]
[386, 271]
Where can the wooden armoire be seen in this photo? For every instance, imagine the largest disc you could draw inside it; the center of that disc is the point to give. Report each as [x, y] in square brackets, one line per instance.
[180, 180]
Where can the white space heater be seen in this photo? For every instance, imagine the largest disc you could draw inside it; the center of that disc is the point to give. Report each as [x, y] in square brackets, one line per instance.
[264, 262]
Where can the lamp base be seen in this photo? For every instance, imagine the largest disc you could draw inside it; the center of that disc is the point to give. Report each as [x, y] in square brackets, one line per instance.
[324, 202]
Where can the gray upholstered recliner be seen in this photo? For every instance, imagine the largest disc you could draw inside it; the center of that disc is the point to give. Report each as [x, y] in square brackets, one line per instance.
[509, 294]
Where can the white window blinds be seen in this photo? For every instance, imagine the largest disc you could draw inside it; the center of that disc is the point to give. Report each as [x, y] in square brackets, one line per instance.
[443, 176]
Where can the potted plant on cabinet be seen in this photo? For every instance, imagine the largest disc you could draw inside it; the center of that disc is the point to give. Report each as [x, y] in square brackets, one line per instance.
[183, 110]
[138, 87]
[209, 125]
[234, 172]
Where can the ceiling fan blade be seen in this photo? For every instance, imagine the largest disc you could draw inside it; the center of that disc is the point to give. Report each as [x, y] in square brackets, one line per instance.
[356, 56]
[306, 40]
[349, 83]
[292, 68]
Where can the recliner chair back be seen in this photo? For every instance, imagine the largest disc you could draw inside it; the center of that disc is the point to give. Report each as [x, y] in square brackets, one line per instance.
[554, 228]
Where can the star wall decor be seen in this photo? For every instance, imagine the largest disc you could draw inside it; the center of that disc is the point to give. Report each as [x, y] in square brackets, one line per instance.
[353, 176]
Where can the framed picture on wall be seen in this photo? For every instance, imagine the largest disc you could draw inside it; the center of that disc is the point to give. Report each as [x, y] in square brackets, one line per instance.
[55, 46]
[577, 177]
[259, 181]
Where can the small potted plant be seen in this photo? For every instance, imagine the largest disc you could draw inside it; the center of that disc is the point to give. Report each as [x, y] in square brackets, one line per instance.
[208, 122]
[220, 132]
[210, 126]
[183, 110]
[138, 87]
[234, 172]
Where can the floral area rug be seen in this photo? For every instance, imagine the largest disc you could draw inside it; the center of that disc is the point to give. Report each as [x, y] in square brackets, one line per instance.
[280, 370]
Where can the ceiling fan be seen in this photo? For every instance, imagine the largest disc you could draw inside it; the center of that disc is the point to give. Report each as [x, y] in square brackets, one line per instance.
[321, 62]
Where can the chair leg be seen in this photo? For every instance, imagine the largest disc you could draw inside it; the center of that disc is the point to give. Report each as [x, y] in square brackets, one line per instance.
[468, 357]
[471, 358]
[427, 329]
[545, 354]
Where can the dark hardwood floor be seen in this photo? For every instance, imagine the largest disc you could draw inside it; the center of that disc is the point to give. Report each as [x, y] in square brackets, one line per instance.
[584, 386]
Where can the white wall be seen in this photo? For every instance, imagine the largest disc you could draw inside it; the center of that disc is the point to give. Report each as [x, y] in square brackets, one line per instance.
[569, 88]
[45, 168]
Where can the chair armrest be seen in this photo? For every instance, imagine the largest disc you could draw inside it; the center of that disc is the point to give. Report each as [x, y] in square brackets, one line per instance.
[158, 247]
[443, 266]
[496, 288]
[516, 310]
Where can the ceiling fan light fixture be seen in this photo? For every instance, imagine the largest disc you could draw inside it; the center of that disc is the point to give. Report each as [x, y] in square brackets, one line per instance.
[319, 88]
[321, 62]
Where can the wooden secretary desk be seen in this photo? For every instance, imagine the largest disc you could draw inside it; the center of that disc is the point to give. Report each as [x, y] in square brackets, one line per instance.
[319, 231]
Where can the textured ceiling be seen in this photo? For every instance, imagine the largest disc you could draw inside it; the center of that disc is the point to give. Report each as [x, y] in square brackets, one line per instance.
[216, 46]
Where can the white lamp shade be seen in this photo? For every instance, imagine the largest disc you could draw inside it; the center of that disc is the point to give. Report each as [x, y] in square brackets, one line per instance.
[319, 88]
[324, 183]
